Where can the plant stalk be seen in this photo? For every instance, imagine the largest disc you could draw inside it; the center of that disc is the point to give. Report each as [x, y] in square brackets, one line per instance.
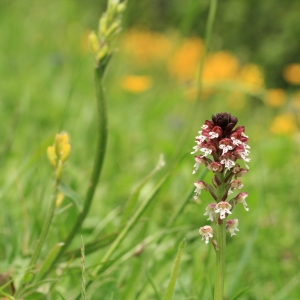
[220, 267]
[46, 226]
[98, 161]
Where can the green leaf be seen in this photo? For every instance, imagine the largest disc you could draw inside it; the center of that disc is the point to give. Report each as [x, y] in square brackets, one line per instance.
[171, 285]
[72, 195]
[131, 203]
[48, 261]
[240, 293]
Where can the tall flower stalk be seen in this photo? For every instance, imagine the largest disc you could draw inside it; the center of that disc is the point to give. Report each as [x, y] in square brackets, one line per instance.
[222, 146]
[102, 49]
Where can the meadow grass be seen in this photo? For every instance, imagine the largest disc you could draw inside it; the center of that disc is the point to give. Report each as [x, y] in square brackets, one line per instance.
[47, 86]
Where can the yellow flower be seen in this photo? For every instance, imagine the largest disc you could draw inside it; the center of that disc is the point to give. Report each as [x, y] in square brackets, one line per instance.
[185, 62]
[59, 152]
[221, 65]
[291, 73]
[136, 84]
[146, 46]
[252, 77]
[275, 97]
[284, 124]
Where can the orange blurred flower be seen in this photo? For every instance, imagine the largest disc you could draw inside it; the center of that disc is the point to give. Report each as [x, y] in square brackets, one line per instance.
[252, 76]
[284, 124]
[221, 65]
[275, 97]
[136, 84]
[291, 73]
[146, 46]
[185, 62]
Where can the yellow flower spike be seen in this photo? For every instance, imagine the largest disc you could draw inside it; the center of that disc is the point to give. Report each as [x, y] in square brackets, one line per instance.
[66, 149]
[52, 156]
[93, 42]
[59, 199]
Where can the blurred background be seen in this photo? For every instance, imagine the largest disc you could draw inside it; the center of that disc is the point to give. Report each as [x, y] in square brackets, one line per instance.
[252, 71]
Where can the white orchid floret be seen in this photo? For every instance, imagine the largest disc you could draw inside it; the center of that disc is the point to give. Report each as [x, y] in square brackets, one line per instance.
[200, 185]
[206, 151]
[199, 160]
[210, 211]
[206, 232]
[196, 149]
[231, 226]
[241, 198]
[213, 135]
[223, 208]
[228, 161]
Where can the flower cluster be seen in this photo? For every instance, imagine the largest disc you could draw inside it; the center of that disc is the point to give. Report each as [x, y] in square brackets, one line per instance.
[109, 27]
[222, 146]
[59, 153]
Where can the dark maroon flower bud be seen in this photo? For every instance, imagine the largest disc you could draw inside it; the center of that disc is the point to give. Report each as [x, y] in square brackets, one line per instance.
[225, 121]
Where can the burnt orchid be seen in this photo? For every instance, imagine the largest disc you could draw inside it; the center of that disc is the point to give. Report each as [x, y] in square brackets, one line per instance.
[222, 147]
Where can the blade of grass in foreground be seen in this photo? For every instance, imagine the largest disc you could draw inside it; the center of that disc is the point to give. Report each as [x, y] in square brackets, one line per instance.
[171, 285]
[130, 205]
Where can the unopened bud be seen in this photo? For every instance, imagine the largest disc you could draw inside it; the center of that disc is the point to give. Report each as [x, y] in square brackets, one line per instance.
[52, 156]
[103, 25]
[121, 7]
[94, 43]
[102, 53]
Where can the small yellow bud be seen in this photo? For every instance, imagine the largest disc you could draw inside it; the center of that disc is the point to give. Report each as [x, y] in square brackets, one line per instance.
[102, 53]
[52, 156]
[62, 139]
[113, 28]
[112, 9]
[121, 7]
[59, 199]
[93, 42]
[103, 25]
[65, 152]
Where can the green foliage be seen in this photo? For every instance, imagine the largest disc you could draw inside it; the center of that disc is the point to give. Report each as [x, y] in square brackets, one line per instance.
[47, 86]
[175, 271]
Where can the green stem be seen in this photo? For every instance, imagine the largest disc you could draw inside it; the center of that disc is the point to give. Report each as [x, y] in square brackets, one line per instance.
[98, 162]
[46, 227]
[220, 270]
[208, 31]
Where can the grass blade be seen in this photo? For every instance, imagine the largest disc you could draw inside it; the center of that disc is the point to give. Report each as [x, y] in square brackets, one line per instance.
[171, 285]
[48, 261]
